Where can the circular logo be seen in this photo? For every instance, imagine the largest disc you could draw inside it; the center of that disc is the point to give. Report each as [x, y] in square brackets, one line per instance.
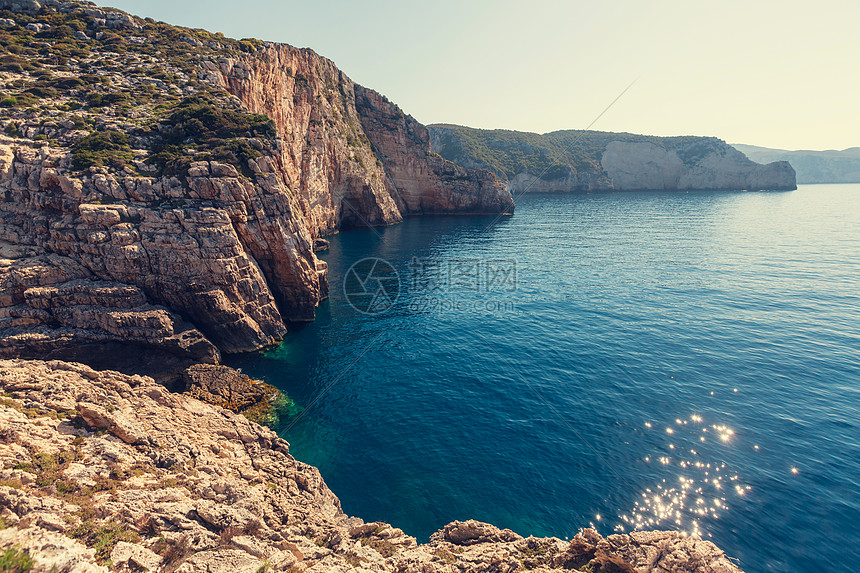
[371, 286]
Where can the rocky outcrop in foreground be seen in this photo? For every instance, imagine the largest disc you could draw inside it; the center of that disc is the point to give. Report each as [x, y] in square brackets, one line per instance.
[572, 161]
[104, 471]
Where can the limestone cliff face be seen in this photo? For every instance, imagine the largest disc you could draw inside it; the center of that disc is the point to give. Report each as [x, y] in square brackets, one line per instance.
[325, 156]
[575, 161]
[189, 255]
[100, 469]
[642, 165]
[356, 158]
[210, 256]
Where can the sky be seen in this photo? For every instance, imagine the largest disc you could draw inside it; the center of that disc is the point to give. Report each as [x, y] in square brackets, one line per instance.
[782, 74]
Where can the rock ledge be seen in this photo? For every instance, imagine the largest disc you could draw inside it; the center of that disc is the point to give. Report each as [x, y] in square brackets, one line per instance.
[104, 469]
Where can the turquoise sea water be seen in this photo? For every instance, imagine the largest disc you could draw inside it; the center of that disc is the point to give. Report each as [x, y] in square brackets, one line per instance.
[683, 361]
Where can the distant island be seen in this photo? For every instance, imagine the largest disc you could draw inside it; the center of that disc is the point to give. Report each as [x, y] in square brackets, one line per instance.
[831, 166]
[575, 161]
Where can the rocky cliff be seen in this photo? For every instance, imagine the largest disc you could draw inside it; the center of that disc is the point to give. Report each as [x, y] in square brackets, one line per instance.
[101, 471]
[570, 161]
[646, 165]
[161, 188]
[355, 156]
[426, 183]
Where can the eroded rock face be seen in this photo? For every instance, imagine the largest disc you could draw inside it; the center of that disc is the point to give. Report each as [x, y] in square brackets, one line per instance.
[220, 252]
[210, 257]
[325, 157]
[357, 158]
[51, 303]
[114, 467]
[425, 182]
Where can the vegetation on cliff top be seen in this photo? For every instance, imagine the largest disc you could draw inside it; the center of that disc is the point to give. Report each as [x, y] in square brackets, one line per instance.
[122, 93]
[549, 156]
[214, 132]
[102, 149]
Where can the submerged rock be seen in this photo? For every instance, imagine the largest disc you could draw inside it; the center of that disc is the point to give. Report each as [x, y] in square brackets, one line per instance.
[225, 387]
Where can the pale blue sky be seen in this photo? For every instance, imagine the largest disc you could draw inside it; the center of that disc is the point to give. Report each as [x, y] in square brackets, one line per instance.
[773, 73]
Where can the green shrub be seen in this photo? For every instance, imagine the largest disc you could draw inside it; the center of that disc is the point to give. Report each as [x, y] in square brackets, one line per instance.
[12, 63]
[15, 560]
[160, 74]
[96, 79]
[12, 130]
[199, 120]
[67, 83]
[97, 99]
[70, 106]
[42, 91]
[8, 102]
[22, 100]
[101, 149]
[103, 538]
[250, 44]
[215, 132]
[58, 32]
[236, 152]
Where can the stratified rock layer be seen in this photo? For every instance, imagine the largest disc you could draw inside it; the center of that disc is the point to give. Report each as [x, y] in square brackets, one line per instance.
[100, 466]
[158, 246]
[195, 257]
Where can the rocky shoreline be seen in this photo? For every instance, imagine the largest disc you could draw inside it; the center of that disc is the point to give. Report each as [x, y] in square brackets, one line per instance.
[104, 471]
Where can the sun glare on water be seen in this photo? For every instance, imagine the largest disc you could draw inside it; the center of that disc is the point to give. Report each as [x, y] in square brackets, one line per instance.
[697, 490]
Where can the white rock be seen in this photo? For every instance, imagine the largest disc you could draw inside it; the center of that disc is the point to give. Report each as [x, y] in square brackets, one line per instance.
[135, 557]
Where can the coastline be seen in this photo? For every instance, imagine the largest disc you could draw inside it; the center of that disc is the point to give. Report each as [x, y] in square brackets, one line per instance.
[165, 207]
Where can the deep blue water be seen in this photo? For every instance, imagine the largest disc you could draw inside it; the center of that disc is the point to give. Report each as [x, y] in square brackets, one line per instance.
[687, 361]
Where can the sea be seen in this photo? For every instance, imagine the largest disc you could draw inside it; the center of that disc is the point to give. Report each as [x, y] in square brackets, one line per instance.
[686, 361]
